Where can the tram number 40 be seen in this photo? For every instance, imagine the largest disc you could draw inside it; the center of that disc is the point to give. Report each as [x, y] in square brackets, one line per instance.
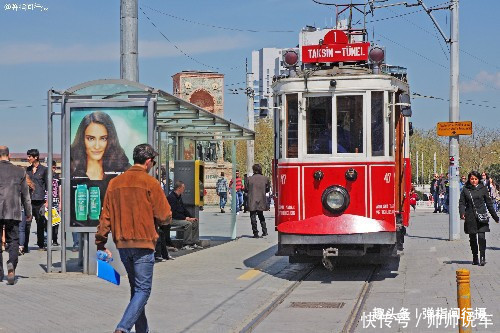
[387, 177]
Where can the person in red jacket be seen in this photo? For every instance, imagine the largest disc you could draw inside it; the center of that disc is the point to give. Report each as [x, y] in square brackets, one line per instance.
[413, 198]
[239, 191]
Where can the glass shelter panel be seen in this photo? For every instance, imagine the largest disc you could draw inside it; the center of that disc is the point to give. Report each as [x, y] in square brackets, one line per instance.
[292, 126]
[377, 121]
[350, 124]
[319, 125]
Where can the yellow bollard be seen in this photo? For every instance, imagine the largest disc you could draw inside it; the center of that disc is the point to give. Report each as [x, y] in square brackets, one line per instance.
[464, 302]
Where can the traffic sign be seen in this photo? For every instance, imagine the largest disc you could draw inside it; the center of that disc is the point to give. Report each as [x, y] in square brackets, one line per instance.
[452, 128]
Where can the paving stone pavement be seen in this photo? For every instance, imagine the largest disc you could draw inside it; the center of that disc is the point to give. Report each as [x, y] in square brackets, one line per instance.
[201, 291]
[426, 277]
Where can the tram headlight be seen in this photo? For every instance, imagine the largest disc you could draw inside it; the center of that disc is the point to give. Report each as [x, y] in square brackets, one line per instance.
[335, 199]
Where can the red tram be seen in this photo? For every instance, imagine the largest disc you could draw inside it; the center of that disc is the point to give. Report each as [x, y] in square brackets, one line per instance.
[342, 169]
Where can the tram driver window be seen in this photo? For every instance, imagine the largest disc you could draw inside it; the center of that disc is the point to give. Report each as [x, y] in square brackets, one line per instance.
[377, 121]
[350, 124]
[319, 125]
[292, 126]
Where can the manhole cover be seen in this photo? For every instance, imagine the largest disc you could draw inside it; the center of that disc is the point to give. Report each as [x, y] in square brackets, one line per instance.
[318, 305]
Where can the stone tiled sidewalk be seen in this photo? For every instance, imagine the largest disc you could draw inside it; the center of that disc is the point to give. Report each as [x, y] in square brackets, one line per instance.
[426, 277]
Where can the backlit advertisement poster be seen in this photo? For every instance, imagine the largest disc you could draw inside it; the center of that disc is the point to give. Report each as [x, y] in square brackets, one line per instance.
[101, 144]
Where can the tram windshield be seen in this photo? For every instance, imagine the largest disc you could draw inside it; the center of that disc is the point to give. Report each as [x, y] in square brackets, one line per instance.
[350, 124]
[319, 125]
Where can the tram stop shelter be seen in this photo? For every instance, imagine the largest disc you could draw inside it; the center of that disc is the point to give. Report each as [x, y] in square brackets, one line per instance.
[128, 113]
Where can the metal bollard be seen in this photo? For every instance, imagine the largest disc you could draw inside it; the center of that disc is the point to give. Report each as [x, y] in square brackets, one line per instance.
[464, 302]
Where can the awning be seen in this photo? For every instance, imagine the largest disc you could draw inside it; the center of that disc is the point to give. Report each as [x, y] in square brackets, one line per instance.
[174, 115]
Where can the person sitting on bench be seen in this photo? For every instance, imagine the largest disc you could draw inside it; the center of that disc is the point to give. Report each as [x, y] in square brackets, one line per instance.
[182, 218]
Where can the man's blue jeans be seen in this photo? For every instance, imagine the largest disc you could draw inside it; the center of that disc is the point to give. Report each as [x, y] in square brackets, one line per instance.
[139, 264]
[239, 200]
[223, 199]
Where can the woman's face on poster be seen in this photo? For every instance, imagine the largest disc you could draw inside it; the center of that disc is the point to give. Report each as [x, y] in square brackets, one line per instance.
[96, 140]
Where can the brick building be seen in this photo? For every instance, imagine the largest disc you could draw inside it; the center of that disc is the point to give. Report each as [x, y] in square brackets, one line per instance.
[206, 89]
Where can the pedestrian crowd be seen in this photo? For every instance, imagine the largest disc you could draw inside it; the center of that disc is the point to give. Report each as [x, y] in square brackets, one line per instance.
[140, 228]
[440, 191]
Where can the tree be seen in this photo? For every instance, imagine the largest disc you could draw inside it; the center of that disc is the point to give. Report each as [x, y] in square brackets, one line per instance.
[264, 145]
[494, 172]
[477, 151]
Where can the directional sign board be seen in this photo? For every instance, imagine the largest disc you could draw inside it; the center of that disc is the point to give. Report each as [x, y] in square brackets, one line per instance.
[454, 128]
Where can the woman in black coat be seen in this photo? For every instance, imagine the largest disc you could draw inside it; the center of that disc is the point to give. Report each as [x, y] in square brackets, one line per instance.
[474, 200]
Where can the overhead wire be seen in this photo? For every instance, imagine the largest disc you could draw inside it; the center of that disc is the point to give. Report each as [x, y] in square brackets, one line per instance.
[179, 49]
[468, 102]
[216, 26]
[437, 63]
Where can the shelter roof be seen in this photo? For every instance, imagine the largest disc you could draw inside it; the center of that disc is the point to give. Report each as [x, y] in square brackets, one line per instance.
[173, 114]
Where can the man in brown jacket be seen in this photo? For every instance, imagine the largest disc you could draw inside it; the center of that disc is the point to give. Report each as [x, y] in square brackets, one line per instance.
[133, 203]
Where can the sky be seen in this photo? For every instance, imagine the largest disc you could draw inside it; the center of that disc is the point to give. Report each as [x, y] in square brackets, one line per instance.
[62, 43]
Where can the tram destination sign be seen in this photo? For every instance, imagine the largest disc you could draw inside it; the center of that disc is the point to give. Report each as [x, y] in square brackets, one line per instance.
[452, 128]
[334, 47]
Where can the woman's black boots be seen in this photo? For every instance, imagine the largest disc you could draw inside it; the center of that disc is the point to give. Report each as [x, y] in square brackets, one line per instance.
[482, 262]
[475, 259]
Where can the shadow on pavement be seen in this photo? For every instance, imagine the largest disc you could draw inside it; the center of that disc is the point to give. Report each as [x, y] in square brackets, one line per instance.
[436, 238]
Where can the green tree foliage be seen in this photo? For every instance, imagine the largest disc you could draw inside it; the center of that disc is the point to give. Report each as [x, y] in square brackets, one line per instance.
[264, 145]
[477, 152]
[493, 171]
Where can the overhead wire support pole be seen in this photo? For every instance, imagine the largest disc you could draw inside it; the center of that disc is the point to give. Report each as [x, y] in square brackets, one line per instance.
[429, 12]
[454, 111]
[454, 115]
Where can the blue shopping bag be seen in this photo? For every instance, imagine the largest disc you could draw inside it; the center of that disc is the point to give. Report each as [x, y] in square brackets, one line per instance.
[106, 272]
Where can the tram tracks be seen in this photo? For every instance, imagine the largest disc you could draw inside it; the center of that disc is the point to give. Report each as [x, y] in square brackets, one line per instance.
[278, 300]
[353, 318]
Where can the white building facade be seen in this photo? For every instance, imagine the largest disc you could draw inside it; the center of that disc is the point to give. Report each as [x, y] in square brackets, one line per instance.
[266, 63]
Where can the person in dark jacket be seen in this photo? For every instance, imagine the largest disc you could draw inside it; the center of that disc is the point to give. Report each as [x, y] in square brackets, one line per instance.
[13, 192]
[258, 185]
[182, 218]
[435, 193]
[38, 174]
[474, 200]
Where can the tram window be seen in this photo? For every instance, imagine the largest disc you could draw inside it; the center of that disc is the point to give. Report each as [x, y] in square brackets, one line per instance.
[377, 123]
[391, 125]
[319, 125]
[350, 124]
[292, 126]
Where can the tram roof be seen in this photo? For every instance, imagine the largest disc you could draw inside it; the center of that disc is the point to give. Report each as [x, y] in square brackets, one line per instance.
[174, 115]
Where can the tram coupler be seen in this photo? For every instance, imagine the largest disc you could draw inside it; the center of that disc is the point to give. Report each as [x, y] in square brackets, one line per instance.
[327, 253]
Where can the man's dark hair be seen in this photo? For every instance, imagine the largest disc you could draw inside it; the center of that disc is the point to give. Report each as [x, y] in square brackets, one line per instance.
[222, 174]
[257, 169]
[178, 184]
[237, 170]
[54, 163]
[143, 152]
[4, 151]
[33, 153]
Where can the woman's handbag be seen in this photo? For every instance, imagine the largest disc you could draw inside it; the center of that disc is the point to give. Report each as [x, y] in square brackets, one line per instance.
[481, 217]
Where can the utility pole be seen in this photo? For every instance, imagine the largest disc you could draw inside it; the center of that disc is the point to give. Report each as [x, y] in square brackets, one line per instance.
[454, 222]
[422, 169]
[129, 50]
[454, 113]
[250, 112]
[435, 163]
[417, 169]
